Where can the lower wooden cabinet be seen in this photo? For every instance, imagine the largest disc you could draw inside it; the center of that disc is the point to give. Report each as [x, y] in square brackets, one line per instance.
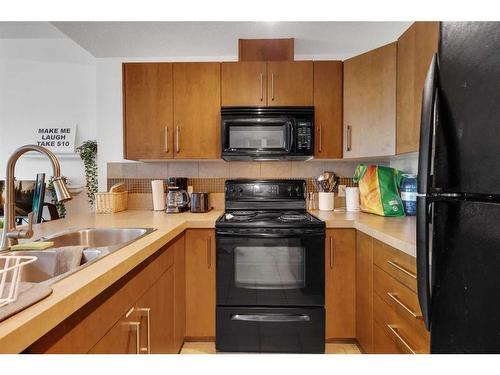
[340, 290]
[137, 314]
[388, 316]
[200, 284]
[364, 291]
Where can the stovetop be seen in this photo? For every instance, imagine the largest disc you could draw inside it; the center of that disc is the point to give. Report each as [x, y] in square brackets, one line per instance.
[268, 218]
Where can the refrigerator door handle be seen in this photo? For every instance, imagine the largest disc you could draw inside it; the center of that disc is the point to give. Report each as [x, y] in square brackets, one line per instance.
[427, 121]
[424, 205]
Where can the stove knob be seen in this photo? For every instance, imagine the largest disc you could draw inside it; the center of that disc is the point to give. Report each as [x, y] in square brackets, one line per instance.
[240, 190]
[297, 190]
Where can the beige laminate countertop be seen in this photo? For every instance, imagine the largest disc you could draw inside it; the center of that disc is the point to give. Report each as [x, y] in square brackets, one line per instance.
[74, 291]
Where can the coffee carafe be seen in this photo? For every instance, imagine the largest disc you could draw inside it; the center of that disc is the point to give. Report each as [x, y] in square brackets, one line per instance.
[177, 200]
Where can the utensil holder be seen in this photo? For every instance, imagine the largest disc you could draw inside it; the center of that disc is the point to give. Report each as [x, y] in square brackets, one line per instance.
[326, 201]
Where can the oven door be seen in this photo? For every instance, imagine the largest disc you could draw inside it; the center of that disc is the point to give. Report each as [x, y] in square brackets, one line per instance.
[266, 267]
[257, 137]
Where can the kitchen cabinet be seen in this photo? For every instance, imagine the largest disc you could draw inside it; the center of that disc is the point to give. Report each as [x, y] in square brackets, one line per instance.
[274, 83]
[200, 284]
[290, 83]
[364, 291]
[388, 316]
[416, 47]
[370, 103]
[179, 294]
[117, 319]
[328, 109]
[340, 290]
[244, 83]
[123, 338]
[148, 111]
[197, 102]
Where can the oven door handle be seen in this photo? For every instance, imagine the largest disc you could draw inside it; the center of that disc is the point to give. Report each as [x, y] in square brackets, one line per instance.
[269, 235]
[276, 318]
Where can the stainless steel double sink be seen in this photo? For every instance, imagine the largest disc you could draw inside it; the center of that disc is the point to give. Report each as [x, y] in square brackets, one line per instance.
[97, 243]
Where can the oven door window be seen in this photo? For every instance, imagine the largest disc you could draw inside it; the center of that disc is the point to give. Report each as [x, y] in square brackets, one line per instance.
[273, 267]
[273, 136]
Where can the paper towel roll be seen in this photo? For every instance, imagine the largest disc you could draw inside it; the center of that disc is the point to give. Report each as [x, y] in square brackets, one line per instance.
[352, 199]
[158, 195]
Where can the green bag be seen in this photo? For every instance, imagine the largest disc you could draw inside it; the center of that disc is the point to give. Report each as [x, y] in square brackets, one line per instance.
[379, 189]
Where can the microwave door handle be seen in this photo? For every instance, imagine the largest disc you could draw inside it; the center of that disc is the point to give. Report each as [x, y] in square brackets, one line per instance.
[290, 136]
[277, 318]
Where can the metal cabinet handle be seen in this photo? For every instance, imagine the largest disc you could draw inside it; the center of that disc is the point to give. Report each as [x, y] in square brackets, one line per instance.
[271, 317]
[272, 86]
[137, 327]
[177, 148]
[209, 252]
[399, 268]
[395, 332]
[395, 298]
[349, 138]
[320, 140]
[166, 139]
[146, 311]
[261, 87]
[331, 252]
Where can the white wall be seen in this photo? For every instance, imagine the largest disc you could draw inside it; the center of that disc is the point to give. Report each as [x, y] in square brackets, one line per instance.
[45, 82]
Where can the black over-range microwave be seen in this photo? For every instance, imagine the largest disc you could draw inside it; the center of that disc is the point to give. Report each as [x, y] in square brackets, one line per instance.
[267, 133]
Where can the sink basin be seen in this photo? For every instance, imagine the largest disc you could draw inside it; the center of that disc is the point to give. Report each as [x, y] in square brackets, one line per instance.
[47, 266]
[98, 242]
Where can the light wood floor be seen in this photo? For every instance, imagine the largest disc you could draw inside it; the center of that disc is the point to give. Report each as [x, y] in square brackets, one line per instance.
[209, 348]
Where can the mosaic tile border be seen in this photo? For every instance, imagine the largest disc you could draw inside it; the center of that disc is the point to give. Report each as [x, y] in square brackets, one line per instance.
[209, 185]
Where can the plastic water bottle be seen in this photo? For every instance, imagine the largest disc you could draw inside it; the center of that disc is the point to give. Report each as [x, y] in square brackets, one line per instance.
[408, 191]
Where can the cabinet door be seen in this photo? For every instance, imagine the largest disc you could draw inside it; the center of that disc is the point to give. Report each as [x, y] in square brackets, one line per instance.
[244, 84]
[122, 338]
[340, 290]
[290, 83]
[200, 283]
[370, 103]
[415, 50]
[179, 294]
[148, 111]
[156, 309]
[364, 291]
[328, 109]
[196, 110]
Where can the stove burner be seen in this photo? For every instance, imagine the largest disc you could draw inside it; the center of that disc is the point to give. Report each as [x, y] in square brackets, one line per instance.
[241, 215]
[292, 217]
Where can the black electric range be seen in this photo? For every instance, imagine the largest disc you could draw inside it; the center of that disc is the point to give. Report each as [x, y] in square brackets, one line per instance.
[270, 269]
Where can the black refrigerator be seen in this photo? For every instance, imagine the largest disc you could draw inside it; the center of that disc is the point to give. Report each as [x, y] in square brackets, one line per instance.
[458, 205]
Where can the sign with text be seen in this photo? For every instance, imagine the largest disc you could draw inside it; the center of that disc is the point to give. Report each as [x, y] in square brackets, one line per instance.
[58, 139]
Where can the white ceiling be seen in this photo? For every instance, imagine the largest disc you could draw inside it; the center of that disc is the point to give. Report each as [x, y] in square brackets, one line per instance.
[29, 30]
[220, 39]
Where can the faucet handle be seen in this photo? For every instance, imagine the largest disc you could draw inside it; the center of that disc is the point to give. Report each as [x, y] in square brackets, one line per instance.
[23, 233]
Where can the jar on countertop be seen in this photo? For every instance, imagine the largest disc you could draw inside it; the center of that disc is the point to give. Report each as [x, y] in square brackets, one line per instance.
[408, 190]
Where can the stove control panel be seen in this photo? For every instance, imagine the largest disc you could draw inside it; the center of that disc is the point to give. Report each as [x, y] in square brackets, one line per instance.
[265, 189]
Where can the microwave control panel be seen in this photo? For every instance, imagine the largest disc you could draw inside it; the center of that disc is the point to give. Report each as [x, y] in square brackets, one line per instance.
[304, 135]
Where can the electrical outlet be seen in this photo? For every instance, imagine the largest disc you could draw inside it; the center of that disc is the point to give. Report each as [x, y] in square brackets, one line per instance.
[341, 190]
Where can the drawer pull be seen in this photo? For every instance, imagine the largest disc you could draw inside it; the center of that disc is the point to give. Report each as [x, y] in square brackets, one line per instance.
[146, 311]
[398, 301]
[395, 332]
[399, 268]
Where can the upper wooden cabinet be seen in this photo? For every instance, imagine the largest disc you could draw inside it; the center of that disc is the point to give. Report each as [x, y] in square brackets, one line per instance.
[370, 103]
[147, 111]
[328, 109]
[275, 83]
[290, 83]
[244, 83]
[197, 110]
[415, 50]
[340, 290]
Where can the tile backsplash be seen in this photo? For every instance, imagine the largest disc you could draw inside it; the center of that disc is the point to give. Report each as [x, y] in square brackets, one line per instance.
[209, 176]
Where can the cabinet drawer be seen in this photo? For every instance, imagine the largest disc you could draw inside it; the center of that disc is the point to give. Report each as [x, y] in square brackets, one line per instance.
[401, 299]
[409, 339]
[383, 343]
[399, 265]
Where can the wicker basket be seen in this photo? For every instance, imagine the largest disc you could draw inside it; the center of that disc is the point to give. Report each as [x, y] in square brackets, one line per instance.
[108, 203]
